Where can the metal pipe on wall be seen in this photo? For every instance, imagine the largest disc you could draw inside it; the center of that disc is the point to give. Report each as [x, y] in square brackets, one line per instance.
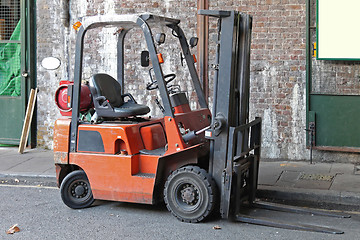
[203, 51]
[65, 19]
[308, 64]
[65, 13]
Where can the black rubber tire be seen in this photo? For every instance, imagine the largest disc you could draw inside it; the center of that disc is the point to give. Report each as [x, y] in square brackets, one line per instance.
[75, 190]
[190, 194]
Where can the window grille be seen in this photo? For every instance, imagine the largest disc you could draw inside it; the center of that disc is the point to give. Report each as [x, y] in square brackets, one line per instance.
[10, 48]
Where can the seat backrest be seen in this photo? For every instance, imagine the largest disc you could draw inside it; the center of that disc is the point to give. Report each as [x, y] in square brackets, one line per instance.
[108, 87]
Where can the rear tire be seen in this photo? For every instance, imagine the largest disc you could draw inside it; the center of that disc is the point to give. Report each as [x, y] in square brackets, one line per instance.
[190, 194]
[75, 190]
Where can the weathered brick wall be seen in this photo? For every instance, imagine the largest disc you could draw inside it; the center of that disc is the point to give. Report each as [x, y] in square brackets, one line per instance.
[277, 67]
[336, 78]
[50, 42]
[277, 73]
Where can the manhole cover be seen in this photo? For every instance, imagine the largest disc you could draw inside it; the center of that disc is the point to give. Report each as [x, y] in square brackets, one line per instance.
[316, 177]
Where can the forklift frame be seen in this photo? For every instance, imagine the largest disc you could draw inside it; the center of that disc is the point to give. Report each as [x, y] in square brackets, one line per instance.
[127, 22]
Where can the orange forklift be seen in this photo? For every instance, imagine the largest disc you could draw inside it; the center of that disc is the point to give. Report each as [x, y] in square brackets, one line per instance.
[197, 161]
[123, 155]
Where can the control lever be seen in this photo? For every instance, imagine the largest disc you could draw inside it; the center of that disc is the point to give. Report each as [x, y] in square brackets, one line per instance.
[192, 134]
[215, 129]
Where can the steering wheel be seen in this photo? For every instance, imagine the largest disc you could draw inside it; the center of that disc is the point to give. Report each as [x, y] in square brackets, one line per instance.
[154, 85]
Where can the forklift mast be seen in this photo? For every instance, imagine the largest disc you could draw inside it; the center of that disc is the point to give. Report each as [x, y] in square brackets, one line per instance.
[234, 142]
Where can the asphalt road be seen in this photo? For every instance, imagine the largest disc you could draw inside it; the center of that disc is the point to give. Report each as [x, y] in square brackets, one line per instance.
[40, 214]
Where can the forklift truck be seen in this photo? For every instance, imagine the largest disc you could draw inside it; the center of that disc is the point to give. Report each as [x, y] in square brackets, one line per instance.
[198, 162]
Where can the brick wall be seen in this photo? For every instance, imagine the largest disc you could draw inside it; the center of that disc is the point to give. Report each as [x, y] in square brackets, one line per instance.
[277, 67]
[277, 73]
[50, 42]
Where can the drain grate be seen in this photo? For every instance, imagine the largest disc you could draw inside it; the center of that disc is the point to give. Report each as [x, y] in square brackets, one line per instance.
[316, 177]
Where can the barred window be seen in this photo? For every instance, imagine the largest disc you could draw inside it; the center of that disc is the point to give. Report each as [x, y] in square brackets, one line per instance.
[10, 48]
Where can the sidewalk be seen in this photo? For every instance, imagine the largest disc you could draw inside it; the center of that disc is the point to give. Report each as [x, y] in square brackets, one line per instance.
[32, 163]
[325, 183]
[321, 183]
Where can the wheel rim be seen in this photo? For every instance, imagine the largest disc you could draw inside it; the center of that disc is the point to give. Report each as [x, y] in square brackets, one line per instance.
[79, 191]
[188, 196]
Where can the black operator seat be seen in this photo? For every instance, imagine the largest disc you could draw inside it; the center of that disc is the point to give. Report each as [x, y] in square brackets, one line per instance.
[109, 102]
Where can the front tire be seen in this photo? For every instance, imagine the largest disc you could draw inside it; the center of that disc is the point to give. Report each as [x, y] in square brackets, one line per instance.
[75, 190]
[190, 194]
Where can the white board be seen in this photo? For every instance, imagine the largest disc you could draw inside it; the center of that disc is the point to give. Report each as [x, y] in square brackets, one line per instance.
[338, 29]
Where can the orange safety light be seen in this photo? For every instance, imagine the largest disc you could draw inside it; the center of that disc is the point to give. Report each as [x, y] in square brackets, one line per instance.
[77, 25]
[160, 57]
[195, 60]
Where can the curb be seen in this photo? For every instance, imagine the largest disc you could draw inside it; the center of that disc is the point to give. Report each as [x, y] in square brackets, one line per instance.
[28, 179]
[313, 196]
[27, 175]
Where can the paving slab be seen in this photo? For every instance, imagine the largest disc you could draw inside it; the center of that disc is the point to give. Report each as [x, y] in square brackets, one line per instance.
[36, 165]
[307, 167]
[342, 168]
[287, 179]
[9, 162]
[4, 151]
[269, 175]
[311, 184]
[346, 182]
[328, 183]
[34, 162]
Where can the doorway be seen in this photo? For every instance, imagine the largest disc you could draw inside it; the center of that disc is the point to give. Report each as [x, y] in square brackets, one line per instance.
[17, 54]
